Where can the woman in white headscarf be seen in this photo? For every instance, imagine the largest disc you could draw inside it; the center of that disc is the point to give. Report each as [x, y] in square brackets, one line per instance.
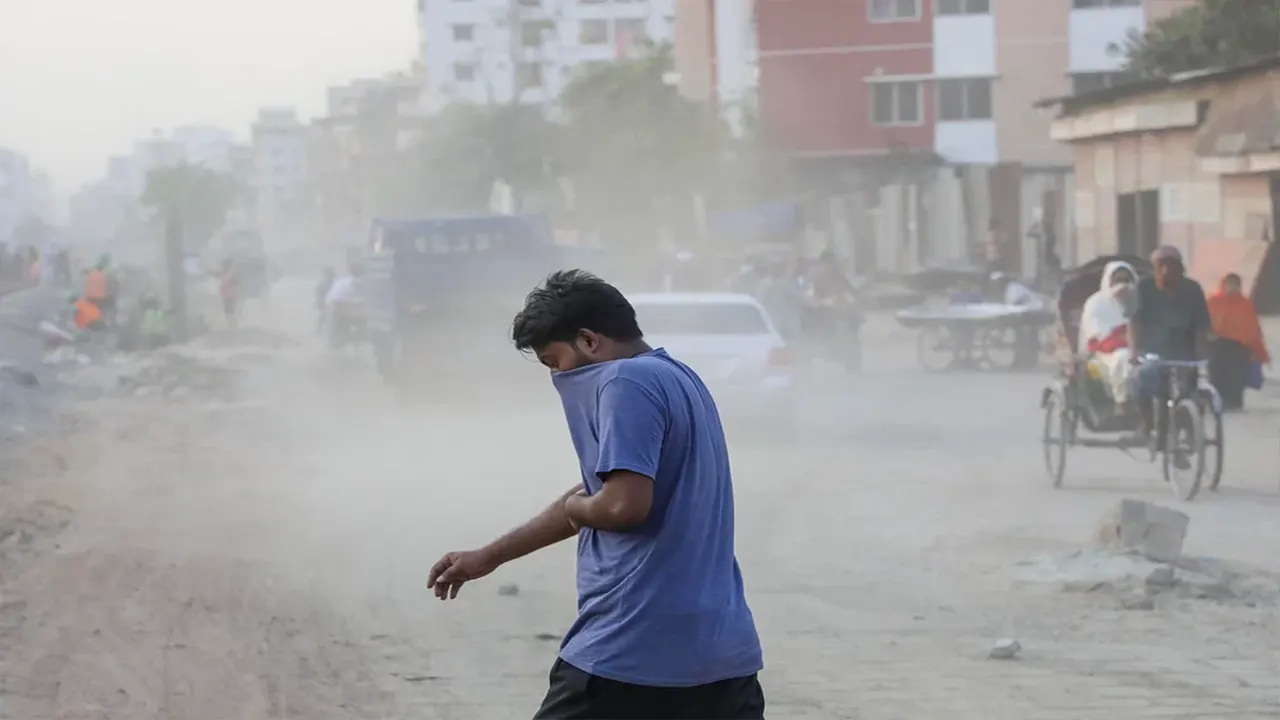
[1104, 329]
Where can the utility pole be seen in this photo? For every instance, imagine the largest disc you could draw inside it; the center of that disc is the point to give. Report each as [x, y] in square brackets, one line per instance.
[175, 265]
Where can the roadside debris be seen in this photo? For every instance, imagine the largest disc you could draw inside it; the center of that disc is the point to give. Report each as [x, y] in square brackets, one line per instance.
[1005, 649]
[1154, 531]
[1133, 579]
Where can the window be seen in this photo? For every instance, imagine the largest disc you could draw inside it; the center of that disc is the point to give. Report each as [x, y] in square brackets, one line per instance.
[895, 103]
[963, 7]
[632, 32]
[531, 3]
[530, 76]
[1082, 4]
[964, 99]
[1093, 81]
[710, 318]
[593, 32]
[464, 33]
[531, 34]
[464, 72]
[893, 10]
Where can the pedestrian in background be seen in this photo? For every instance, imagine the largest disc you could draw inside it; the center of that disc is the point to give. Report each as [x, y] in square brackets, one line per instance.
[1237, 350]
[663, 628]
[327, 278]
[229, 291]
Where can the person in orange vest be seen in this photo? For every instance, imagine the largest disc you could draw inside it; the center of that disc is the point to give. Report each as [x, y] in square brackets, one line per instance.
[88, 316]
[99, 288]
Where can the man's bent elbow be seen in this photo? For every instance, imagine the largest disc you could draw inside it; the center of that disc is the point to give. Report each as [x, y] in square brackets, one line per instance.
[623, 516]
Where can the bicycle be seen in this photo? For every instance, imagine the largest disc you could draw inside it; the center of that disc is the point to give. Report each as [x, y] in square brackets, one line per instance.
[1178, 439]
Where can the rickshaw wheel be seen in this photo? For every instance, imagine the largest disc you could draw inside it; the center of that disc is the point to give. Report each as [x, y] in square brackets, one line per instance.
[1185, 435]
[935, 348]
[1214, 446]
[998, 347]
[1055, 438]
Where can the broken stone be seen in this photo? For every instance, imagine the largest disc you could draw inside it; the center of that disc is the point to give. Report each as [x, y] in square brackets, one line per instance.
[1138, 601]
[1161, 578]
[1006, 649]
[1154, 531]
[509, 590]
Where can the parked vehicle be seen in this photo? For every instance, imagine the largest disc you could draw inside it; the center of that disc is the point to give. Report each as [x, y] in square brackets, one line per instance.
[734, 346]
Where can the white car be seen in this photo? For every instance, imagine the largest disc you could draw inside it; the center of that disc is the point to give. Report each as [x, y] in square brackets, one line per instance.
[733, 345]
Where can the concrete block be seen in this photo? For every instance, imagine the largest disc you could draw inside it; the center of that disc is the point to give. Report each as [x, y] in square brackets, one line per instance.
[1154, 531]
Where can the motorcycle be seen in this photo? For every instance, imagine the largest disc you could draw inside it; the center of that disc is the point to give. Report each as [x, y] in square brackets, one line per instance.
[833, 334]
[348, 325]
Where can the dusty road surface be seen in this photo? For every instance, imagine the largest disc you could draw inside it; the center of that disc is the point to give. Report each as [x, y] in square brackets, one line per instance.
[254, 545]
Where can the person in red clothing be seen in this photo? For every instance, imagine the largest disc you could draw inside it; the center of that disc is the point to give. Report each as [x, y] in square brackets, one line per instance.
[1104, 330]
[1237, 345]
[229, 291]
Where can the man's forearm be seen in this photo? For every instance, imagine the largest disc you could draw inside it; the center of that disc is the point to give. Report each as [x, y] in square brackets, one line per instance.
[546, 529]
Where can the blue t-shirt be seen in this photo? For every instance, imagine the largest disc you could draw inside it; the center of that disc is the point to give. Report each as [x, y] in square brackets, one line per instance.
[662, 605]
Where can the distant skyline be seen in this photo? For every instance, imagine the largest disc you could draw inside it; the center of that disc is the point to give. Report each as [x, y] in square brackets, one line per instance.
[80, 80]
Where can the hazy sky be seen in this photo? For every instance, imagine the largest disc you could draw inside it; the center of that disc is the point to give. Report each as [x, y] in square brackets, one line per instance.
[81, 79]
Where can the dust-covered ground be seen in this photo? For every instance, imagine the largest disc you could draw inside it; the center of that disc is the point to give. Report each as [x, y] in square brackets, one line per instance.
[252, 542]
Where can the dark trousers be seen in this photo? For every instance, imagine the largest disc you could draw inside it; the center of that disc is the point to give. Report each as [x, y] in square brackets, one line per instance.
[574, 694]
[1228, 370]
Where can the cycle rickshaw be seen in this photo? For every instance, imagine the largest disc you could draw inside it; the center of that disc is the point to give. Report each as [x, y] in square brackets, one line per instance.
[1079, 411]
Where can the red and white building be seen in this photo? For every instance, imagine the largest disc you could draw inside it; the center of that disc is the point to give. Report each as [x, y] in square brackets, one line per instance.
[848, 78]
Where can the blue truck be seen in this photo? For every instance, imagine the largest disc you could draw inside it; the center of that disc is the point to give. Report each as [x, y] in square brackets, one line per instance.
[441, 292]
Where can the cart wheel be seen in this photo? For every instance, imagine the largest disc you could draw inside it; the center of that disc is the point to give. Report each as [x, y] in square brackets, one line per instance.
[936, 348]
[1184, 438]
[1214, 447]
[1057, 431]
[998, 348]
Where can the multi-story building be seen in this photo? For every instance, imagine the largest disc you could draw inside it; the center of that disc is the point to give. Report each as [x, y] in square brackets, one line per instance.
[503, 51]
[957, 77]
[16, 192]
[208, 147]
[717, 55]
[279, 141]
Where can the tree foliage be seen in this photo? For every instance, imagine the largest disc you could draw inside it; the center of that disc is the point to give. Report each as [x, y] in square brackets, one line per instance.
[465, 149]
[1209, 34]
[200, 197]
[633, 145]
[31, 231]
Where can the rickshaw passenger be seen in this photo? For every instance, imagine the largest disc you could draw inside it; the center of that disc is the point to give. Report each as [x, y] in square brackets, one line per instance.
[1104, 330]
[1172, 321]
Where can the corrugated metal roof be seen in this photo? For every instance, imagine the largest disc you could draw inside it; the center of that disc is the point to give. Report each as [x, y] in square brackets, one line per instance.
[1083, 101]
[1251, 126]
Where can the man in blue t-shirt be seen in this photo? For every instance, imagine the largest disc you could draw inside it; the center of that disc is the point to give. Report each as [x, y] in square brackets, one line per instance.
[663, 628]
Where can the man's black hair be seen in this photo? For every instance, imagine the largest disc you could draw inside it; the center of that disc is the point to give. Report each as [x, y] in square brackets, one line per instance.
[570, 301]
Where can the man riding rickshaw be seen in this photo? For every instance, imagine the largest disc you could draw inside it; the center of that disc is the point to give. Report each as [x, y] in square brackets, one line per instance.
[1131, 343]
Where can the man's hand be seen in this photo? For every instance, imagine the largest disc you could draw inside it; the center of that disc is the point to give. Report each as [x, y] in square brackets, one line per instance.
[458, 568]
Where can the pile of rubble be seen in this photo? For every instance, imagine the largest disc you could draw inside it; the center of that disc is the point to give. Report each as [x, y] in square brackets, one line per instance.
[1138, 560]
[171, 374]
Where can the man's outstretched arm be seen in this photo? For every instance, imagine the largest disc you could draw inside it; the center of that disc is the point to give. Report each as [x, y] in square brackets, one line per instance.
[547, 528]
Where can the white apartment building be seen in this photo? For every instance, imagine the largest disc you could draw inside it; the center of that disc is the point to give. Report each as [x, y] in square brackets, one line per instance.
[500, 51]
[280, 143]
[206, 146]
[17, 196]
